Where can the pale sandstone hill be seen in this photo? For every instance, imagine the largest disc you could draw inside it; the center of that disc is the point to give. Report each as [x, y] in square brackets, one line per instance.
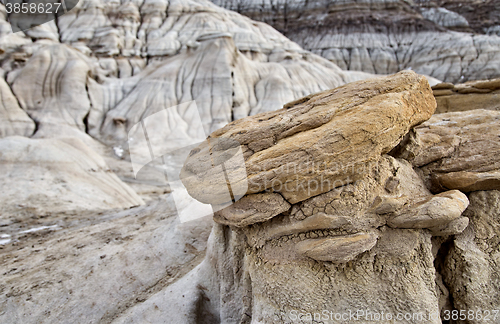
[104, 66]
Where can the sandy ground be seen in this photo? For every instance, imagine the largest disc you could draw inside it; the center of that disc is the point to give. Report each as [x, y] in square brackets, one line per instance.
[91, 267]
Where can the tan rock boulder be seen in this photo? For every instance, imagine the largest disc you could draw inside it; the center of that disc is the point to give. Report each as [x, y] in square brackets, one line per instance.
[313, 145]
[252, 209]
[434, 211]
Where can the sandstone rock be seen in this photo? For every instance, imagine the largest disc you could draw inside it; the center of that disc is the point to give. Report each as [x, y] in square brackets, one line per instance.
[469, 181]
[265, 271]
[438, 210]
[122, 62]
[333, 249]
[48, 176]
[461, 144]
[330, 127]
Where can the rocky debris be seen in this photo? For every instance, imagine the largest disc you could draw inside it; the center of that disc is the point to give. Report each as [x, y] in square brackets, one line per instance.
[96, 266]
[459, 150]
[50, 176]
[308, 147]
[318, 249]
[384, 37]
[482, 94]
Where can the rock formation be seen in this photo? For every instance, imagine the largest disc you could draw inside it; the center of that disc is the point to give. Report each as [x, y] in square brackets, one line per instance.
[459, 150]
[311, 133]
[382, 243]
[384, 37]
[354, 200]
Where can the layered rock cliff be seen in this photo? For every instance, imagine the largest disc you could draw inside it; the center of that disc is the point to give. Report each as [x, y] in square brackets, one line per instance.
[430, 37]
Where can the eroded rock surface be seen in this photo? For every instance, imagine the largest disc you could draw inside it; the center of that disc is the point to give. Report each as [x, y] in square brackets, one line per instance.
[104, 66]
[459, 150]
[13, 120]
[430, 37]
[483, 94]
[471, 267]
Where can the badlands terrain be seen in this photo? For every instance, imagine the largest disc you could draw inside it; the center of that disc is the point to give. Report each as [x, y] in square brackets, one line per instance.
[360, 190]
[449, 40]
